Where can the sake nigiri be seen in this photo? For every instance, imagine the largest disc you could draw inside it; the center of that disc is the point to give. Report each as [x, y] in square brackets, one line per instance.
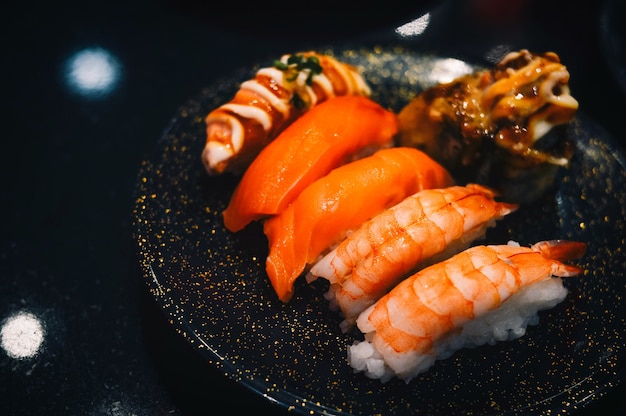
[321, 139]
[340, 201]
[424, 228]
[481, 295]
[266, 104]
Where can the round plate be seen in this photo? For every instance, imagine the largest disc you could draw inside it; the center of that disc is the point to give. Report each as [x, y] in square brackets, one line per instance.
[212, 283]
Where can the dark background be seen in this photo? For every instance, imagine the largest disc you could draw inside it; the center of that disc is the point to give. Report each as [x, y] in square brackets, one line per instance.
[69, 162]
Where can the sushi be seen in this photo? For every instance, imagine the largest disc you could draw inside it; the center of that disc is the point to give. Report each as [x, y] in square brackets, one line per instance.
[325, 137]
[266, 104]
[426, 227]
[326, 210]
[504, 126]
[481, 295]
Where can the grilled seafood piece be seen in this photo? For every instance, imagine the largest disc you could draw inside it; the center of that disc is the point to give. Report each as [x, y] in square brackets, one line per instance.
[266, 104]
[492, 126]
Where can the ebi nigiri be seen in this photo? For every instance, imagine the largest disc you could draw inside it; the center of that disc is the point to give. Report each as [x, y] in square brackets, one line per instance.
[327, 136]
[453, 304]
[424, 228]
[340, 201]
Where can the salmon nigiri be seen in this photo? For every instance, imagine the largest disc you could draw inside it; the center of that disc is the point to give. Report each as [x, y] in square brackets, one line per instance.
[321, 139]
[340, 201]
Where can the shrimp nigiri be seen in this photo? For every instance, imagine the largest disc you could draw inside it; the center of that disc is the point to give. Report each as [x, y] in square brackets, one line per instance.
[436, 311]
[332, 205]
[323, 138]
[266, 104]
[424, 228]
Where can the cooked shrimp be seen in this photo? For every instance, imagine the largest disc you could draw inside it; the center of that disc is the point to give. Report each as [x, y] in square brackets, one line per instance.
[339, 202]
[406, 325]
[426, 227]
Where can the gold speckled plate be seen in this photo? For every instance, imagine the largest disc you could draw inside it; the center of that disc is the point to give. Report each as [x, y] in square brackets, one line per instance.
[212, 283]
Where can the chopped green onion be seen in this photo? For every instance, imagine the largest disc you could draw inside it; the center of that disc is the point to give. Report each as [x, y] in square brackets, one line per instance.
[280, 65]
[298, 63]
[298, 102]
[293, 67]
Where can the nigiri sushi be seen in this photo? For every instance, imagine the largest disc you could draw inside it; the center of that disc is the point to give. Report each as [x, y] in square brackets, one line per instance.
[270, 101]
[323, 138]
[481, 295]
[492, 126]
[334, 204]
[424, 228]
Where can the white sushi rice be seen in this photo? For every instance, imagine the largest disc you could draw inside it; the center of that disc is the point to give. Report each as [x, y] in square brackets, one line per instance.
[505, 323]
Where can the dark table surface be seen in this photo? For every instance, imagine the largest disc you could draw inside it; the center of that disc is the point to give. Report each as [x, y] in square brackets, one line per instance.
[70, 160]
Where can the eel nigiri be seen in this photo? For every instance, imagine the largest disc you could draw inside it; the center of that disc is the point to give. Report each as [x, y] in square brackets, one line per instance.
[424, 228]
[323, 138]
[266, 104]
[340, 201]
[481, 295]
[491, 126]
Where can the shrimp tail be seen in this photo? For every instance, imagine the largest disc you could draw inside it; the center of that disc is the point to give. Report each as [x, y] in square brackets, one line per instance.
[562, 251]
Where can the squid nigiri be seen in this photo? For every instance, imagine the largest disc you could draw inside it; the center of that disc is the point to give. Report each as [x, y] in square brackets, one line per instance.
[424, 228]
[266, 104]
[481, 295]
[332, 205]
[323, 138]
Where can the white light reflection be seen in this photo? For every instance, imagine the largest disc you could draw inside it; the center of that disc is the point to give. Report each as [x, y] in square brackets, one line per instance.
[21, 335]
[415, 27]
[92, 72]
[446, 70]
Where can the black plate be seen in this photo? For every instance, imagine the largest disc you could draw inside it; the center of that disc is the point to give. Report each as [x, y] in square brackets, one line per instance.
[212, 285]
